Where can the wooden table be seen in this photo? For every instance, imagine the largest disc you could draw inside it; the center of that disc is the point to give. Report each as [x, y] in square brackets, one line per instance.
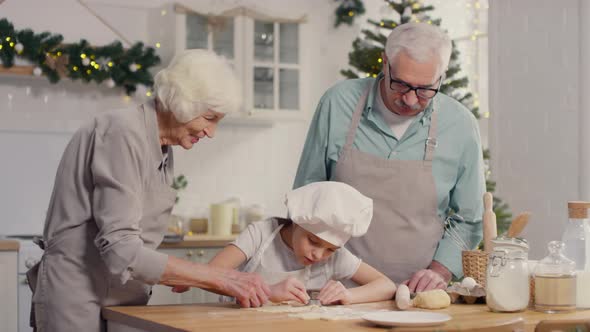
[225, 317]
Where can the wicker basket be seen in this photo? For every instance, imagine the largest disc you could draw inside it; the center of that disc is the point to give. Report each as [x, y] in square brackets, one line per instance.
[475, 264]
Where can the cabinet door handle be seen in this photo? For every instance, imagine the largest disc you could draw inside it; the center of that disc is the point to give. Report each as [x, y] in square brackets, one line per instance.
[189, 253]
[201, 253]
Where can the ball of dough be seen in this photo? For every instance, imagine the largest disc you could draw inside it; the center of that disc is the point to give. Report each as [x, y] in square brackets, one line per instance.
[432, 299]
[402, 297]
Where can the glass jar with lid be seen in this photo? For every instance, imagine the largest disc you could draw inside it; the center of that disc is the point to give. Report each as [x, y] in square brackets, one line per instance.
[507, 280]
[511, 242]
[576, 238]
[555, 281]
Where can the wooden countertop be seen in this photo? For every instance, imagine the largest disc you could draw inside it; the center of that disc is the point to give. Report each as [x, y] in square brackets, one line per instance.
[9, 245]
[200, 241]
[226, 317]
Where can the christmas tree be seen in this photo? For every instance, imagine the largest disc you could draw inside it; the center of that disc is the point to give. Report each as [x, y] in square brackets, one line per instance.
[365, 58]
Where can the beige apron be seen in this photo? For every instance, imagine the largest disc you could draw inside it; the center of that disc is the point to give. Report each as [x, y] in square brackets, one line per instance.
[71, 283]
[405, 229]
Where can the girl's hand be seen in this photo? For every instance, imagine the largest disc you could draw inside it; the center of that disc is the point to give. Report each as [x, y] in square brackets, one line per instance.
[335, 292]
[289, 289]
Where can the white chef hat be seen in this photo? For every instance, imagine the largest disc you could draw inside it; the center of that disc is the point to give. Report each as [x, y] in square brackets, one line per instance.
[333, 211]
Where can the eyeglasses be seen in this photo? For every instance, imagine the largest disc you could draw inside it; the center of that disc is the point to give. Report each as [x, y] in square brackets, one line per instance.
[403, 88]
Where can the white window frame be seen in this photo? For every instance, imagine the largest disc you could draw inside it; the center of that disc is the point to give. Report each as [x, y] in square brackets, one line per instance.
[244, 65]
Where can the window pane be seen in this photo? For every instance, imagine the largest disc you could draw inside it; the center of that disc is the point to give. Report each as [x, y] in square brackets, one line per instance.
[196, 31]
[289, 89]
[263, 88]
[289, 43]
[263, 41]
[223, 36]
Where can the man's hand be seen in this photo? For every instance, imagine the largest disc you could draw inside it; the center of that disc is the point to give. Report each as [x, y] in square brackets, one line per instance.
[289, 289]
[334, 292]
[435, 277]
[249, 289]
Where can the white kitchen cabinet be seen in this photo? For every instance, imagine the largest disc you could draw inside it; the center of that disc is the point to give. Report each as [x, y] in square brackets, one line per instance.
[202, 296]
[8, 291]
[163, 295]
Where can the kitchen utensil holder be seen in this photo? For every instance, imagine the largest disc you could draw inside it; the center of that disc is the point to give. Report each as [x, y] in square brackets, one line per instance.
[475, 264]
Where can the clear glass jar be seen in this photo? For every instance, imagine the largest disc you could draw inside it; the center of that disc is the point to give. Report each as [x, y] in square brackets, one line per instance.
[576, 238]
[507, 280]
[555, 281]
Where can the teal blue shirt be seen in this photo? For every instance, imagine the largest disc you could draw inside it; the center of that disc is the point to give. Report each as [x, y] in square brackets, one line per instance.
[457, 165]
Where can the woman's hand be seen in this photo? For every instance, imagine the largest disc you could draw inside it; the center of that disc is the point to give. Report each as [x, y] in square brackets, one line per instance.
[289, 289]
[180, 289]
[334, 292]
[249, 289]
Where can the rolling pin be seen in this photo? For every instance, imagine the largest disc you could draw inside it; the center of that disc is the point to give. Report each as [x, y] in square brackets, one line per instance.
[490, 231]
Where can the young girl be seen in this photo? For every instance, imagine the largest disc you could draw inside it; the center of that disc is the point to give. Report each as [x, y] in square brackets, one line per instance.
[306, 251]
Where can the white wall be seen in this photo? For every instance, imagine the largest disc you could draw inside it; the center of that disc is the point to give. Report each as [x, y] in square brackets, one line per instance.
[534, 102]
[256, 164]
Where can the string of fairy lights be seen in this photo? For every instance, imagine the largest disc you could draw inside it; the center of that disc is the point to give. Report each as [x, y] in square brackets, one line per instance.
[110, 65]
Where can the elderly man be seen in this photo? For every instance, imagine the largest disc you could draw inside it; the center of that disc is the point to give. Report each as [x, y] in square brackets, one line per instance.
[416, 152]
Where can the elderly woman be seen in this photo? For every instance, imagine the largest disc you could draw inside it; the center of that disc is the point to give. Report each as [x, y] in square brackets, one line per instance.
[112, 199]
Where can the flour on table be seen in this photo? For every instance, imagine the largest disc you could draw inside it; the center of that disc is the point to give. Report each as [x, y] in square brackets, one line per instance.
[285, 308]
[315, 312]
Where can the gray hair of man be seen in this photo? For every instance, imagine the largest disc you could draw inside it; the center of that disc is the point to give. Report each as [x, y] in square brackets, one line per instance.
[196, 81]
[420, 41]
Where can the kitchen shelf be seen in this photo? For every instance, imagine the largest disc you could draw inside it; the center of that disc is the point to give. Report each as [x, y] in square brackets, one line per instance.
[243, 119]
[263, 118]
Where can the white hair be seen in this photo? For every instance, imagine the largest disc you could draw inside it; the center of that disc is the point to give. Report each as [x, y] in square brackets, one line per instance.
[421, 42]
[196, 81]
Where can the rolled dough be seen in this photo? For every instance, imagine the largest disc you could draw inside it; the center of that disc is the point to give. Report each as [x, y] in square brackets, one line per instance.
[314, 311]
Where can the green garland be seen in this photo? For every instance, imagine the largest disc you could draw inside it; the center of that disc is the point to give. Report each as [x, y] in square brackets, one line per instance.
[111, 64]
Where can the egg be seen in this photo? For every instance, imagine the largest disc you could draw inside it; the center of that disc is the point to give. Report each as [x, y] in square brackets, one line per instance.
[468, 283]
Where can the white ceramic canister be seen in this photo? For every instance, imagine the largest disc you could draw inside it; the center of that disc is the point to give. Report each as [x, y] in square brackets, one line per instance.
[222, 216]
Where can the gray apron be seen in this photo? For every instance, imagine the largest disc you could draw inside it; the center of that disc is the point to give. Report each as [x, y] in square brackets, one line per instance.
[71, 283]
[405, 229]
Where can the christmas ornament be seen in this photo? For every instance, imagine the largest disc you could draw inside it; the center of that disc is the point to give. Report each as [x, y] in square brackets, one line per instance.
[18, 47]
[57, 63]
[110, 83]
[85, 61]
[133, 67]
[103, 62]
[407, 11]
[37, 71]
